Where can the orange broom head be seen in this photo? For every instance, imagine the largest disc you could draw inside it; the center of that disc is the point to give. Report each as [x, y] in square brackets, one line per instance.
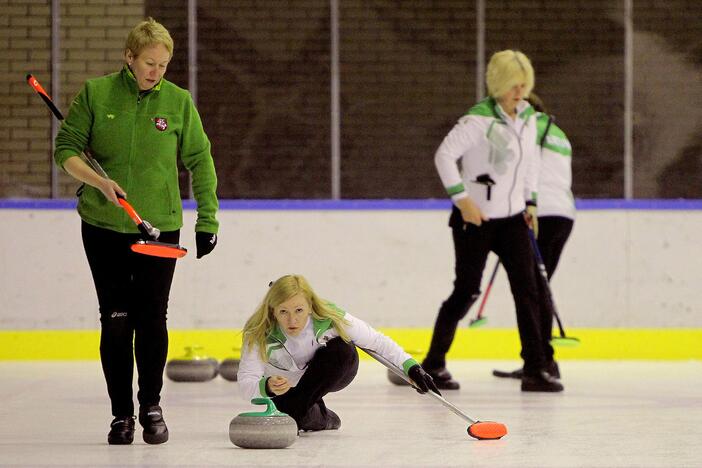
[487, 430]
[159, 249]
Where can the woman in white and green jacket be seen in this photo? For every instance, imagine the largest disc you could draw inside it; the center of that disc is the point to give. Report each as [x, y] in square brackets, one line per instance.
[495, 144]
[556, 214]
[298, 347]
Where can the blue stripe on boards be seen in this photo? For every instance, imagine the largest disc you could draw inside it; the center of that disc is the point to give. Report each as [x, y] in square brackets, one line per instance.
[368, 205]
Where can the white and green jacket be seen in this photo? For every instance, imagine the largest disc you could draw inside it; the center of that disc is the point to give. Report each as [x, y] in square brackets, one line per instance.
[288, 356]
[555, 176]
[488, 143]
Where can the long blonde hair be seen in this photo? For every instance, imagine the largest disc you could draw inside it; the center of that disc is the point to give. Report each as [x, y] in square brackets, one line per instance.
[262, 322]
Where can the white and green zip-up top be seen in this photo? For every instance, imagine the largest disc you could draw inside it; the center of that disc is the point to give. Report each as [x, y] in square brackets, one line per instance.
[555, 175]
[288, 356]
[489, 143]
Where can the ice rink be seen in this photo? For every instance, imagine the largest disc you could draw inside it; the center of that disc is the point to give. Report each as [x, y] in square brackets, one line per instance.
[611, 414]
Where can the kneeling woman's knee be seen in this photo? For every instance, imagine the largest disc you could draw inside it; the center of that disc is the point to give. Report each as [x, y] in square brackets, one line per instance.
[340, 362]
[345, 354]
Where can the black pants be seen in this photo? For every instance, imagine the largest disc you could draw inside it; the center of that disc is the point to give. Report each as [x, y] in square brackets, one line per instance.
[508, 238]
[132, 291]
[553, 234]
[332, 368]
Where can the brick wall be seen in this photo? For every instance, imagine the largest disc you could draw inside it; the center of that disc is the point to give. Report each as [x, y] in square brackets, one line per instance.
[24, 128]
[263, 93]
[407, 74]
[92, 38]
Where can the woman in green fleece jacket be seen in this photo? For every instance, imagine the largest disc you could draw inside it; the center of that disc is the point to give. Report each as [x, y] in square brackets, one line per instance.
[136, 124]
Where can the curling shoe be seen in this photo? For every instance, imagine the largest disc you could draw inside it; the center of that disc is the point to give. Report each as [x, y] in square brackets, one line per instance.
[551, 368]
[151, 419]
[541, 382]
[121, 431]
[319, 418]
[443, 379]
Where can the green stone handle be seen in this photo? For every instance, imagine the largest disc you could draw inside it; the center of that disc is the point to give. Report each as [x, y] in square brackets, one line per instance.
[270, 410]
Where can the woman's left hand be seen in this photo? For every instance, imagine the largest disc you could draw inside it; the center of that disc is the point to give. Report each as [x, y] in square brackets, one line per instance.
[278, 384]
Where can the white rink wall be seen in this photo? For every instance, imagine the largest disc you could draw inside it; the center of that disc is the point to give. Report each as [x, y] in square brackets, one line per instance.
[393, 268]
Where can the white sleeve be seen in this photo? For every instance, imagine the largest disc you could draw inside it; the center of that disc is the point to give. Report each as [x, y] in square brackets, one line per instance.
[455, 144]
[251, 372]
[365, 336]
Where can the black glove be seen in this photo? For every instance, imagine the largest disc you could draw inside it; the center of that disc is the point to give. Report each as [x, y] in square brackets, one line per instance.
[205, 242]
[422, 381]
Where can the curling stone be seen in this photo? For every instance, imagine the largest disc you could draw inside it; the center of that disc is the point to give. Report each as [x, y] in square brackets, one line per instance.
[396, 379]
[193, 367]
[266, 430]
[229, 367]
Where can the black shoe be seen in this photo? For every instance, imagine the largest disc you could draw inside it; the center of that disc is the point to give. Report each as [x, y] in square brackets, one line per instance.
[551, 368]
[319, 418]
[542, 382]
[151, 419]
[121, 431]
[443, 379]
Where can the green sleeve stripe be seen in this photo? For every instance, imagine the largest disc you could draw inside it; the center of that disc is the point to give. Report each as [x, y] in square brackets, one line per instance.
[408, 364]
[455, 189]
[557, 148]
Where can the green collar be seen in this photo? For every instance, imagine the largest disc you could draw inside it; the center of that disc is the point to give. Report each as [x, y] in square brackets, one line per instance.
[489, 107]
[133, 81]
[318, 326]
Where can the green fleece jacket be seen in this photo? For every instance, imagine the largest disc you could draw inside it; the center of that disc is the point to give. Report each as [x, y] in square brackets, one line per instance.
[137, 137]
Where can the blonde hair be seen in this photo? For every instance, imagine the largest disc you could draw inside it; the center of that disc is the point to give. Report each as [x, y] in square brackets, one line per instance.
[147, 33]
[537, 103]
[261, 323]
[506, 69]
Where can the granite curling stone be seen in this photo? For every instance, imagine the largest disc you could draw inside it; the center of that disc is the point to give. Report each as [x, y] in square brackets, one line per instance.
[193, 367]
[229, 367]
[269, 429]
[396, 379]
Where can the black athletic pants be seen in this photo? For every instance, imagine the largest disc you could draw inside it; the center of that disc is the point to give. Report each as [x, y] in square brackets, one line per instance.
[553, 234]
[508, 238]
[332, 368]
[132, 291]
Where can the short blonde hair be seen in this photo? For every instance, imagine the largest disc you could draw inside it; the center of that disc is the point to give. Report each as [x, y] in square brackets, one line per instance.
[506, 69]
[147, 33]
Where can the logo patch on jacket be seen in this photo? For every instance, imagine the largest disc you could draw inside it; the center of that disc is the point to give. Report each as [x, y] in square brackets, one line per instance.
[161, 123]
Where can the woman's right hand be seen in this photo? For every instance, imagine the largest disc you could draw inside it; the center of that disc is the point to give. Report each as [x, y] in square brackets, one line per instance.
[277, 384]
[470, 212]
[110, 189]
